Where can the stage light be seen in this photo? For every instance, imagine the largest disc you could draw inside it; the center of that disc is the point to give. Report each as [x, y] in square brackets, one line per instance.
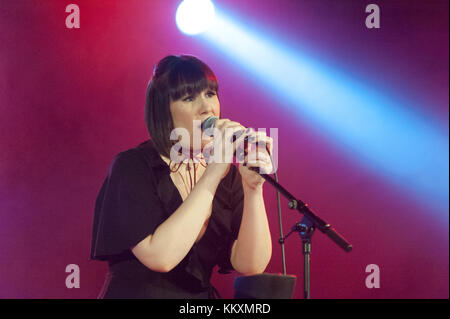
[194, 16]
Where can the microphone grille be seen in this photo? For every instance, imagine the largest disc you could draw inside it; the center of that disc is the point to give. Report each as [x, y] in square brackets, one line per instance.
[209, 122]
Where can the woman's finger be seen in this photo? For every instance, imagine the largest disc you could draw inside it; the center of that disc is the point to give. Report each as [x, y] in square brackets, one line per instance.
[258, 154]
[260, 139]
[263, 166]
[222, 124]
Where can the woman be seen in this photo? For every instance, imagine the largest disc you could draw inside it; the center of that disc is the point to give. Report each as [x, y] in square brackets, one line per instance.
[163, 225]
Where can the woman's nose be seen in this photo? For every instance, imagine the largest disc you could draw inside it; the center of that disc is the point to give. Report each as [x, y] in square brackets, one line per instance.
[206, 106]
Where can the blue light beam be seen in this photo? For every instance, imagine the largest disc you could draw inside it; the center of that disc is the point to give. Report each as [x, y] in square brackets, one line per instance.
[388, 136]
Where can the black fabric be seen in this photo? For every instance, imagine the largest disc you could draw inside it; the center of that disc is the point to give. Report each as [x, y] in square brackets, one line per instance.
[135, 198]
[264, 286]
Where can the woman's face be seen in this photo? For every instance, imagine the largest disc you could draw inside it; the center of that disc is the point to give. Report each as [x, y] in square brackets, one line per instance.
[190, 108]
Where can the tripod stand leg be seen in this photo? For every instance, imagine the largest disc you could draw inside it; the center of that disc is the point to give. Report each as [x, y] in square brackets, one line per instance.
[307, 258]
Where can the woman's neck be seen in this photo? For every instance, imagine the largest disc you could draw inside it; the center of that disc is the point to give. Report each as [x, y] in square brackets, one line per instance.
[185, 162]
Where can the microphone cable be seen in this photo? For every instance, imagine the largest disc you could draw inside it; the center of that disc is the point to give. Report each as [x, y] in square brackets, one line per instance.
[280, 222]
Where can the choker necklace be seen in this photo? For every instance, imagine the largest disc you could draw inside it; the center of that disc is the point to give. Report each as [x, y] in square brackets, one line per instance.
[192, 163]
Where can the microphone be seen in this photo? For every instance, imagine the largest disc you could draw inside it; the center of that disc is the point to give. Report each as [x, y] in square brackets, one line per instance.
[210, 122]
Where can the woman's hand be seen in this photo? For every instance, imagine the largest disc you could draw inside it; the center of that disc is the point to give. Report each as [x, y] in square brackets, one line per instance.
[220, 151]
[257, 157]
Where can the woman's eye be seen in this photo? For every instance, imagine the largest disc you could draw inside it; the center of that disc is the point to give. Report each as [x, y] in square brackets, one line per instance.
[188, 99]
[211, 93]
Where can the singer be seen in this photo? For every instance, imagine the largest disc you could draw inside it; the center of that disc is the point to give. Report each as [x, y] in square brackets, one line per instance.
[163, 225]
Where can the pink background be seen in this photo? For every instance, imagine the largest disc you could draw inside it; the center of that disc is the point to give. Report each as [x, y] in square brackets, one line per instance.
[72, 99]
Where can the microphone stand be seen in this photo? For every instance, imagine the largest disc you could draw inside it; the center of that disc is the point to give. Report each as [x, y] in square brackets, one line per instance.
[306, 228]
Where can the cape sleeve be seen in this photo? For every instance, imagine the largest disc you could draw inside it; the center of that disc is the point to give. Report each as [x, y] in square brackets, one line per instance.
[237, 208]
[127, 208]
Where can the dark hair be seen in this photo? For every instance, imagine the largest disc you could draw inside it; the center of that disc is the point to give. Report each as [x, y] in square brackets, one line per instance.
[173, 78]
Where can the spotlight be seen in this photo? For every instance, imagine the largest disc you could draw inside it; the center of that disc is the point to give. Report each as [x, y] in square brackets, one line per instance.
[194, 16]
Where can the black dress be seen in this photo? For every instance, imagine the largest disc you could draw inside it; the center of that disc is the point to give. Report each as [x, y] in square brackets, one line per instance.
[136, 197]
